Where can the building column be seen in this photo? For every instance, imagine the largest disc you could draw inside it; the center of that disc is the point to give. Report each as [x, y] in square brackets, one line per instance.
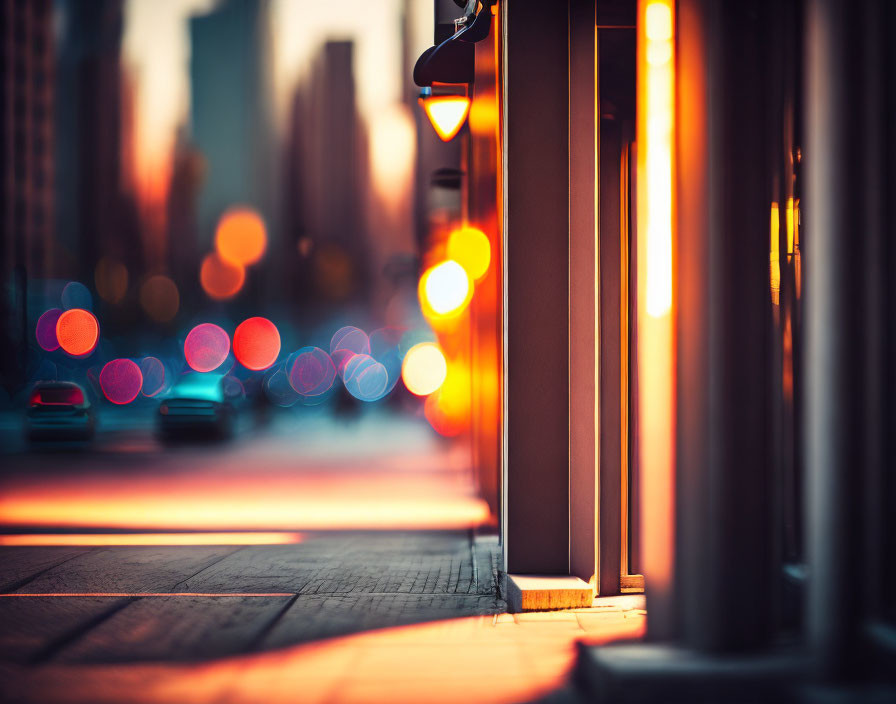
[536, 284]
[725, 546]
[844, 285]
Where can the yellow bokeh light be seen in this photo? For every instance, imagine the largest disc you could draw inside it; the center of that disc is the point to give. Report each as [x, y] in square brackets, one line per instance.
[424, 369]
[471, 249]
[446, 113]
[658, 23]
[445, 289]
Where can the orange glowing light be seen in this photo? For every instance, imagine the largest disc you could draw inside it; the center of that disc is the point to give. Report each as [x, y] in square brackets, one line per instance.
[240, 538]
[447, 113]
[241, 237]
[160, 298]
[789, 224]
[445, 289]
[111, 278]
[370, 666]
[221, 279]
[256, 343]
[424, 368]
[77, 331]
[657, 95]
[471, 249]
[774, 254]
[656, 349]
[449, 411]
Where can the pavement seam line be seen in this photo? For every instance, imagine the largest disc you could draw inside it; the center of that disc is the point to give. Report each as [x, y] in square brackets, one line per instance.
[210, 564]
[15, 586]
[57, 645]
[256, 642]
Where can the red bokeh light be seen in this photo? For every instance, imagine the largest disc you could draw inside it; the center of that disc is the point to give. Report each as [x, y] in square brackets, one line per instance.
[256, 343]
[77, 331]
[206, 347]
[121, 381]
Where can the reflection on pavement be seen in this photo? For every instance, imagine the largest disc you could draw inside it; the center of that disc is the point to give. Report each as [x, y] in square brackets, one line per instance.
[379, 471]
[483, 659]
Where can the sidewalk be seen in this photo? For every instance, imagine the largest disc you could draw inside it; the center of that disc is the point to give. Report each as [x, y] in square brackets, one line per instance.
[350, 617]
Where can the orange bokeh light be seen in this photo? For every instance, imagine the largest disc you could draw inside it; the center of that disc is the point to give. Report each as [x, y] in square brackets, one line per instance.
[221, 279]
[241, 237]
[256, 343]
[160, 298]
[77, 331]
[447, 113]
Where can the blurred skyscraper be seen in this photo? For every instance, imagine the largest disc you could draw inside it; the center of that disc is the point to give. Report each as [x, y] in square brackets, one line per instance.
[327, 176]
[231, 104]
[27, 120]
[95, 217]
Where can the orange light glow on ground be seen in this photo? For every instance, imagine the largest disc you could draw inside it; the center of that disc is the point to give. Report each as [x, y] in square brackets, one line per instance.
[471, 249]
[256, 343]
[77, 331]
[93, 539]
[221, 279]
[445, 290]
[424, 369]
[492, 659]
[261, 501]
[656, 350]
[447, 114]
[241, 237]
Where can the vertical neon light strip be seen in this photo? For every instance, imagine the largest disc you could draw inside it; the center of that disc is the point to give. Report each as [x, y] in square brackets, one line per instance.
[656, 366]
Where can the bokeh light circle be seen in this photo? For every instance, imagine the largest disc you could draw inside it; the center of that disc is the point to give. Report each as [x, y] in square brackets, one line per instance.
[153, 376]
[241, 237]
[424, 369]
[311, 371]
[121, 381]
[256, 343]
[221, 279]
[160, 298]
[111, 279]
[45, 330]
[206, 347]
[365, 378]
[350, 338]
[77, 331]
[76, 295]
[277, 387]
[385, 348]
[443, 423]
[445, 289]
[471, 249]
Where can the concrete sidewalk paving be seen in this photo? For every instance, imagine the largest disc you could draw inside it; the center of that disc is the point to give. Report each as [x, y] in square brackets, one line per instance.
[341, 617]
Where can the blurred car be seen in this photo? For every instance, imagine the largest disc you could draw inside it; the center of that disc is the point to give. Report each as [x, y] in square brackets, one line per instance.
[58, 411]
[197, 408]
